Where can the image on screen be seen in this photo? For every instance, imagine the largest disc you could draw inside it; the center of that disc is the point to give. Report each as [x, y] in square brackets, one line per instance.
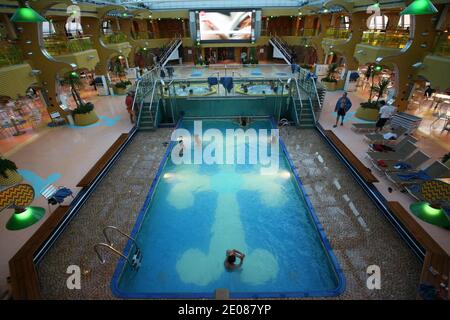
[225, 26]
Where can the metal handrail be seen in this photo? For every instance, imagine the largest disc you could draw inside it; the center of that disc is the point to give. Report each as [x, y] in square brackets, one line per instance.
[151, 101]
[299, 98]
[173, 44]
[279, 43]
[115, 251]
[119, 231]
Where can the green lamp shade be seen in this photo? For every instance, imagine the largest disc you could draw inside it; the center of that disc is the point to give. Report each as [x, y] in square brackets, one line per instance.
[420, 7]
[25, 219]
[435, 216]
[25, 14]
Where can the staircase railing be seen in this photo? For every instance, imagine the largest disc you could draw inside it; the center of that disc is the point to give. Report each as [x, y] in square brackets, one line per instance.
[309, 86]
[282, 46]
[143, 87]
[174, 43]
[297, 96]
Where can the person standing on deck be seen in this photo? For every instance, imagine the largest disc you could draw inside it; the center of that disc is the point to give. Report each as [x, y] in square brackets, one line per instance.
[342, 106]
[129, 103]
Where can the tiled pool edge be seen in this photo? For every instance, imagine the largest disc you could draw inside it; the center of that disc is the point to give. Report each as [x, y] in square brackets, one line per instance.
[326, 244]
[120, 267]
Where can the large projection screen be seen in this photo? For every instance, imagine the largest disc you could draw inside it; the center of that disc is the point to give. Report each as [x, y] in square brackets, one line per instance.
[226, 26]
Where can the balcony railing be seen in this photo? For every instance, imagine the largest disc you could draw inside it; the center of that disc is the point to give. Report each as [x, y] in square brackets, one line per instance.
[390, 39]
[118, 37]
[337, 33]
[10, 54]
[59, 45]
[442, 47]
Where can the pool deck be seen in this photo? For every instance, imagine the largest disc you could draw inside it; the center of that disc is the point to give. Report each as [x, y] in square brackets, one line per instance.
[359, 234]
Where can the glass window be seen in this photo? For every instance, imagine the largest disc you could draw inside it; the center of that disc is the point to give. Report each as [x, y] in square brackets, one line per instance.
[404, 22]
[378, 22]
[47, 28]
[345, 22]
[74, 28]
[106, 27]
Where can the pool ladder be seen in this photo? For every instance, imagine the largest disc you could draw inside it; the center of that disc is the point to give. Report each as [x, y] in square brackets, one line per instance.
[134, 262]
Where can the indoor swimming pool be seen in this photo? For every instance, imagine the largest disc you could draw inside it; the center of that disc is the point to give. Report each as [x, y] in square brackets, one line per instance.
[262, 89]
[195, 212]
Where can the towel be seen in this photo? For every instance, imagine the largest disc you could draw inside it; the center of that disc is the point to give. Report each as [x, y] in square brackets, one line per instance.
[227, 83]
[420, 175]
[402, 165]
[382, 163]
[212, 81]
[61, 194]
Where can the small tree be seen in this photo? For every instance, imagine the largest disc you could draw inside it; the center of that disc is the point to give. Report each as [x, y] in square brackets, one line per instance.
[331, 73]
[73, 80]
[381, 88]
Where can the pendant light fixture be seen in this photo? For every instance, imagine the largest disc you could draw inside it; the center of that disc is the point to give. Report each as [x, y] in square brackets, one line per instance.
[26, 14]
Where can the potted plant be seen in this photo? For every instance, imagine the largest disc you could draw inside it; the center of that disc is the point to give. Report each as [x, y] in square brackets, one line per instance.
[84, 114]
[330, 82]
[121, 87]
[8, 173]
[369, 110]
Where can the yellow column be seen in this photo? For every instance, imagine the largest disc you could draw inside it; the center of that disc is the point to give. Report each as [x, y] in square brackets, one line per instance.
[424, 34]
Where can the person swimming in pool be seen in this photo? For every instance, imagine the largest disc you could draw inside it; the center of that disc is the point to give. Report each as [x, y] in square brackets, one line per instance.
[230, 260]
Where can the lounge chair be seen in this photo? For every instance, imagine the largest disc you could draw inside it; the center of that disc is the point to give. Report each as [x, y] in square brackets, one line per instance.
[412, 163]
[55, 195]
[363, 126]
[400, 142]
[435, 170]
[435, 191]
[379, 137]
[402, 152]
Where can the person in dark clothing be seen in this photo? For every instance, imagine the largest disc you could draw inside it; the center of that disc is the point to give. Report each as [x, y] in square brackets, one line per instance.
[342, 106]
[428, 91]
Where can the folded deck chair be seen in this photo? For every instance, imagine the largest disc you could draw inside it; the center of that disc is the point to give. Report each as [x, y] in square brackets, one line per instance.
[413, 162]
[363, 126]
[401, 153]
[379, 137]
[55, 195]
[435, 170]
[434, 191]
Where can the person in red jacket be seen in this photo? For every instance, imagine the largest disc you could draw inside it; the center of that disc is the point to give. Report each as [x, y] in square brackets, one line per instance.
[129, 103]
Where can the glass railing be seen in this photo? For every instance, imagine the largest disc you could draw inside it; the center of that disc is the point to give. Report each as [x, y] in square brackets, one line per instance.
[337, 33]
[442, 47]
[118, 37]
[10, 54]
[57, 46]
[390, 39]
[143, 35]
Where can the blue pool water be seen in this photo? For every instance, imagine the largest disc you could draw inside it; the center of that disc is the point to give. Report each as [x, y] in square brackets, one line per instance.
[196, 212]
[263, 89]
[196, 90]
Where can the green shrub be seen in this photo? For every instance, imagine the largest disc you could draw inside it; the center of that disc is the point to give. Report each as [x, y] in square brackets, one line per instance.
[446, 157]
[122, 84]
[326, 79]
[5, 165]
[84, 108]
[370, 105]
